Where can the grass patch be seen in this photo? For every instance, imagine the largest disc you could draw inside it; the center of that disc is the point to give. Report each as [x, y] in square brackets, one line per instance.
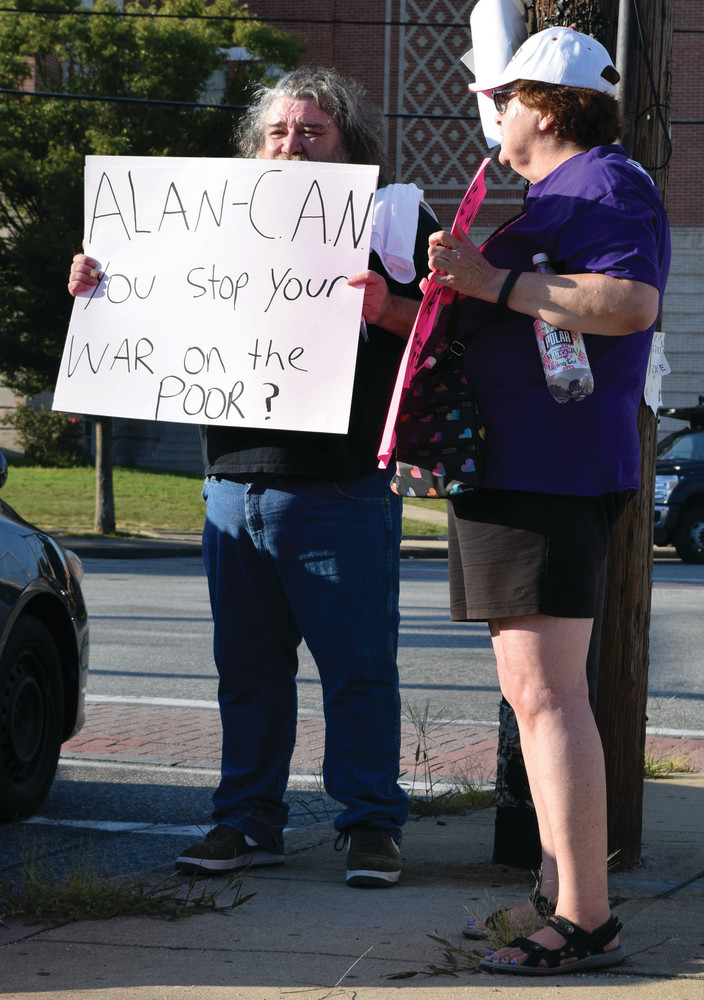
[413, 527]
[424, 517]
[63, 500]
[419, 505]
[145, 500]
[664, 765]
[453, 801]
[82, 892]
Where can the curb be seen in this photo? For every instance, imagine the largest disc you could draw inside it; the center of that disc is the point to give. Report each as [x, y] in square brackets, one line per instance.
[412, 546]
[172, 546]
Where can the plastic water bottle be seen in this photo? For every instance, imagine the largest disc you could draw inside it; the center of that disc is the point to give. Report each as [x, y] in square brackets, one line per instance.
[562, 353]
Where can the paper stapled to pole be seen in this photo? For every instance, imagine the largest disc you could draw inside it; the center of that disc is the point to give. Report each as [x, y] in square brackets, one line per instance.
[657, 367]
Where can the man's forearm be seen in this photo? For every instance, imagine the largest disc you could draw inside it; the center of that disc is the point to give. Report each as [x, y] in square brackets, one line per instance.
[399, 316]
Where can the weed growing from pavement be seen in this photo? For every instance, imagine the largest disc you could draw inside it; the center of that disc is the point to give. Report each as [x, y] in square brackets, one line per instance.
[83, 892]
[466, 792]
[666, 764]
[322, 808]
[424, 724]
[457, 960]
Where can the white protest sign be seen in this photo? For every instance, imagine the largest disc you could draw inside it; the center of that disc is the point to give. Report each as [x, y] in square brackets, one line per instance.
[223, 295]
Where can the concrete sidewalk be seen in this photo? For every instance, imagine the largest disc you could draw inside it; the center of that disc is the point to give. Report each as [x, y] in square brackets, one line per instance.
[304, 934]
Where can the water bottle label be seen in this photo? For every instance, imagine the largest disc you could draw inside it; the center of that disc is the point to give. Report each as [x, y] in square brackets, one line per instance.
[560, 349]
[555, 338]
[562, 353]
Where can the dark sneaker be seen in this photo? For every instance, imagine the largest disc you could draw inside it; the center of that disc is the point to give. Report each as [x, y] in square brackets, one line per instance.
[224, 849]
[373, 857]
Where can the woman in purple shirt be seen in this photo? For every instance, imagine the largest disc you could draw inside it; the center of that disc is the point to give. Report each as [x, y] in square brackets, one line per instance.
[527, 550]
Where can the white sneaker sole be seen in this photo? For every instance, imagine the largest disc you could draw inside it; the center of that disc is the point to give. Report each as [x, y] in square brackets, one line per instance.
[369, 878]
[257, 859]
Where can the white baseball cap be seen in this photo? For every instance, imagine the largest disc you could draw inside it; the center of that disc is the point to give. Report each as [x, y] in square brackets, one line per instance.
[561, 56]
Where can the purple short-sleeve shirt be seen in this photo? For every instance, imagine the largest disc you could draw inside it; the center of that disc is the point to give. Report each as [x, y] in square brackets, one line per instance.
[599, 212]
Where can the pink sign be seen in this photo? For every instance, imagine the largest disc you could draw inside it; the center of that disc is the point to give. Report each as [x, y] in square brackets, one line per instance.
[421, 339]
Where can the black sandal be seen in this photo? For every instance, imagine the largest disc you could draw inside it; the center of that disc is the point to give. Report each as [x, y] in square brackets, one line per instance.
[581, 951]
[543, 906]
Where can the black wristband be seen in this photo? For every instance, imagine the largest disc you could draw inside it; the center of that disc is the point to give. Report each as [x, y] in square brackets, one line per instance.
[507, 286]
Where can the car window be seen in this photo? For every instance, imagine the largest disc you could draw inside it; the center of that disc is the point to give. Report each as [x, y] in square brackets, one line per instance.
[680, 446]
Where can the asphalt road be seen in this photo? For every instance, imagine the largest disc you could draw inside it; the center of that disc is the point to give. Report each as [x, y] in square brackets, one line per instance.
[151, 636]
[151, 639]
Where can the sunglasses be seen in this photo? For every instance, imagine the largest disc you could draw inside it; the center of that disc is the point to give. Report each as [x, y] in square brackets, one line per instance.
[502, 97]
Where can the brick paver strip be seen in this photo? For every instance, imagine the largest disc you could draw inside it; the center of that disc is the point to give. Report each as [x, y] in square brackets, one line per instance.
[191, 736]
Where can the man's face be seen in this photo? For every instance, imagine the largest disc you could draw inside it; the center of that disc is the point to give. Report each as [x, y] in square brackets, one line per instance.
[299, 130]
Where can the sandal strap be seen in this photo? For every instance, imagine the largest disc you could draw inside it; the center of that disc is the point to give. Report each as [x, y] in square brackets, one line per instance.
[579, 939]
[578, 942]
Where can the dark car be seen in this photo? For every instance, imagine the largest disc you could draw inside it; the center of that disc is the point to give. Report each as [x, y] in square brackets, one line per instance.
[679, 485]
[43, 659]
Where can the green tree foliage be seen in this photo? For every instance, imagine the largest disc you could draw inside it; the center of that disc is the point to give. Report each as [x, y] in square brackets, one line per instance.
[49, 438]
[43, 140]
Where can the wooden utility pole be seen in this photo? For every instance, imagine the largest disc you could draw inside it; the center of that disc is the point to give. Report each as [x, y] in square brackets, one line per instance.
[617, 666]
[104, 496]
[624, 662]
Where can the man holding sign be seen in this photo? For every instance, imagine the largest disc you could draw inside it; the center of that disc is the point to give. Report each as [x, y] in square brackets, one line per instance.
[301, 541]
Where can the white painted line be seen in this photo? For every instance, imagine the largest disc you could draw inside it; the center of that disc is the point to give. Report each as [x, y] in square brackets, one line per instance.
[108, 826]
[108, 764]
[110, 699]
[687, 734]
[113, 826]
[302, 781]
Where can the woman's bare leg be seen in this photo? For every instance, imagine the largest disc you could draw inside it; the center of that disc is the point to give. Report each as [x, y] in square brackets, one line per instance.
[542, 672]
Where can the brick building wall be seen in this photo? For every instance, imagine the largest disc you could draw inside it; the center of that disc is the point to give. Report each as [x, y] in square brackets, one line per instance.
[415, 71]
[684, 299]
[685, 202]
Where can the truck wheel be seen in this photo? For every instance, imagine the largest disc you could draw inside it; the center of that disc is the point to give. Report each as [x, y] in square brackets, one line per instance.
[31, 718]
[689, 535]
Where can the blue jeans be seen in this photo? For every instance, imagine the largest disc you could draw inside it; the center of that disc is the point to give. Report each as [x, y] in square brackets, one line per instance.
[319, 561]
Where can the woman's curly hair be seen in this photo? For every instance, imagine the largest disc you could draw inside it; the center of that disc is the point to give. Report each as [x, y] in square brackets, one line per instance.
[585, 117]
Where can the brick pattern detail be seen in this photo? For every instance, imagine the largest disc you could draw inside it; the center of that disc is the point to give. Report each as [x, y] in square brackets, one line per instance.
[416, 70]
[685, 202]
[189, 737]
[408, 71]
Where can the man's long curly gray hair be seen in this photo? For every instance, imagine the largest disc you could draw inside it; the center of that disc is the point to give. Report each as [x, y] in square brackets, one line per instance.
[360, 121]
